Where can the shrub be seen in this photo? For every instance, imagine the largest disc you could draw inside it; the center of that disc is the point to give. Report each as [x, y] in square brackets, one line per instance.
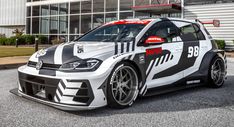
[220, 43]
[10, 41]
[29, 39]
[3, 40]
[21, 40]
[42, 39]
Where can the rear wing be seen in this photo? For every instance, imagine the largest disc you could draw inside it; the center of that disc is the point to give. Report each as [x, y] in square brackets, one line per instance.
[215, 22]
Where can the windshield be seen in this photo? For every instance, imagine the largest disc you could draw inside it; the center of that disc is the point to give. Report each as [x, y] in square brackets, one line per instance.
[113, 33]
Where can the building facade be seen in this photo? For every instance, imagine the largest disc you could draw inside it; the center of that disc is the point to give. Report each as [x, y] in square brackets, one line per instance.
[68, 19]
[71, 18]
[12, 16]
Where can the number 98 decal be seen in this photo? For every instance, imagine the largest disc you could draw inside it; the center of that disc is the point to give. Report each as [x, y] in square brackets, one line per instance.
[193, 51]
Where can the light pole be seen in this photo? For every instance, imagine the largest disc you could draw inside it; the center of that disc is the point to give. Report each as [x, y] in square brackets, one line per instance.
[16, 42]
[36, 44]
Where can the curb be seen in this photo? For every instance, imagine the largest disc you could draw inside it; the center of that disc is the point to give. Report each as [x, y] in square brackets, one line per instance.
[11, 66]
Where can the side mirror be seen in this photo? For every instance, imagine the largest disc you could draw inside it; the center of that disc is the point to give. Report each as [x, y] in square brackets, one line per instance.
[154, 40]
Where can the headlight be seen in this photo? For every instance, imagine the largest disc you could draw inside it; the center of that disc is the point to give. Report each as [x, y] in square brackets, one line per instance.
[82, 65]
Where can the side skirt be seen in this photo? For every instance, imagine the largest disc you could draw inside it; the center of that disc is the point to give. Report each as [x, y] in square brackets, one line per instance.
[179, 85]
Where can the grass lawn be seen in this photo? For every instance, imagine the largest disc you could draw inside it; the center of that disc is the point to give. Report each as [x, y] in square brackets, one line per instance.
[8, 51]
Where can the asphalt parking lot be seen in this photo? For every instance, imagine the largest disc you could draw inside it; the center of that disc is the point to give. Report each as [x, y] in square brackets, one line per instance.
[200, 106]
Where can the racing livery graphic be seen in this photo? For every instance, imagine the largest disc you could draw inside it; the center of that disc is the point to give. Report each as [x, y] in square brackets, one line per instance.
[121, 60]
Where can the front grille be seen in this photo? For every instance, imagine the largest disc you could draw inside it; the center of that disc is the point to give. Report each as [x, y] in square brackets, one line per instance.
[44, 66]
[31, 85]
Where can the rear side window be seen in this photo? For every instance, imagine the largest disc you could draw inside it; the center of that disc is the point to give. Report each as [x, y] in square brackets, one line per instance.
[189, 31]
[200, 35]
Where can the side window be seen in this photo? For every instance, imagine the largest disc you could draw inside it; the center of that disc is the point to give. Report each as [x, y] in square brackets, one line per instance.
[191, 32]
[163, 29]
[200, 35]
[188, 33]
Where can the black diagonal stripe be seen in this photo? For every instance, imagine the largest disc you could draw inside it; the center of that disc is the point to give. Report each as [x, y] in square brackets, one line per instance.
[158, 61]
[128, 46]
[116, 48]
[150, 68]
[57, 97]
[163, 59]
[61, 93]
[168, 57]
[63, 85]
[171, 57]
[129, 57]
[122, 47]
[133, 45]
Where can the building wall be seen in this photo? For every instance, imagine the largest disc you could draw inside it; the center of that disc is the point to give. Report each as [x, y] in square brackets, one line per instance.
[223, 12]
[12, 15]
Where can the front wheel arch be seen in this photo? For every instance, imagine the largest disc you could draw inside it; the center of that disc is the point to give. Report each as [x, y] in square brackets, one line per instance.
[110, 99]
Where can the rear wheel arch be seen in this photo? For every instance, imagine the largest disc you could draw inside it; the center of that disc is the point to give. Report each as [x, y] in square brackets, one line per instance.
[207, 60]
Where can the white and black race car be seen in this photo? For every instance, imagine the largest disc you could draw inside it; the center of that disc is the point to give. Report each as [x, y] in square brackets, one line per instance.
[121, 60]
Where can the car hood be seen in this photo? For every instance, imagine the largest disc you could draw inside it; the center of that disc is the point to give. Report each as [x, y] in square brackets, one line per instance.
[69, 52]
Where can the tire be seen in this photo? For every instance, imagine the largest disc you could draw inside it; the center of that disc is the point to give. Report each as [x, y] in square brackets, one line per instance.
[122, 90]
[216, 72]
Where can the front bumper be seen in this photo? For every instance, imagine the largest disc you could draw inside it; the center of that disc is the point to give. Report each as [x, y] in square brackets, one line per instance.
[66, 91]
[67, 107]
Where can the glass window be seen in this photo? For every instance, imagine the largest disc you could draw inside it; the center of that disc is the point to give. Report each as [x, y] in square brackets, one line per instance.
[126, 15]
[63, 38]
[74, 24]
[200, 35]
[85, 23]
[44, 10]
[111, 5]
[44, 25]
[111, 17]
[53, 25]
[54, 9]
[188, 33]
[53, 39]
[75, 8]
[63, 24]
[36, 10]
[142, 2]
[163, 29]
[160, 1]
[35, 25]
[141, 15]
[86, 6]
[28, 11]
[126, 5]
[98, 20]
[98, 6]
[114, 32]
[28, 26]
[74, 37]
[63, 9]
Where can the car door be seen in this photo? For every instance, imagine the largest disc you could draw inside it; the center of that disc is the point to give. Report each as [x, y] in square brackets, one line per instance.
[194, 47]
[161, 58]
